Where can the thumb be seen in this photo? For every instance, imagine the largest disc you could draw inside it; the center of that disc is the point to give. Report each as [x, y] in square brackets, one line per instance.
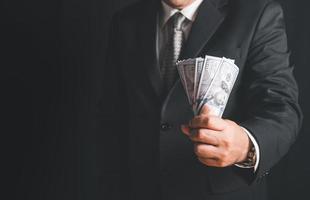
[205, 110]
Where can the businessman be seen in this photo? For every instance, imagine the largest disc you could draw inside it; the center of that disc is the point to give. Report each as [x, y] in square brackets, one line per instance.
[155, 147]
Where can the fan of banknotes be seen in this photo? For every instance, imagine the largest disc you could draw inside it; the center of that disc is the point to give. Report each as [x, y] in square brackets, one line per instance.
[208, 81]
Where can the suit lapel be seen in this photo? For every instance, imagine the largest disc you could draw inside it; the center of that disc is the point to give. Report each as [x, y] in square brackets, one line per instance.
[208, 20]
[147, 30]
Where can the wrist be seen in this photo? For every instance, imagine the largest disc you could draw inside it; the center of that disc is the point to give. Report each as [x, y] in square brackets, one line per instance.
[253, 156]
[250, 158]
[245, 150]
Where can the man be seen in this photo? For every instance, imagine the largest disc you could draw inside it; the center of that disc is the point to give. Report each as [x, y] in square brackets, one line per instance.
[156, 148]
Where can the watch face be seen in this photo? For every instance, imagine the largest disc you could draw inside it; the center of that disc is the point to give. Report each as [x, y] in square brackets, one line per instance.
[252, 156]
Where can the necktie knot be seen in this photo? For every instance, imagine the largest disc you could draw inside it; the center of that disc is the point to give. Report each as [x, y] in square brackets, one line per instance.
[178, 19]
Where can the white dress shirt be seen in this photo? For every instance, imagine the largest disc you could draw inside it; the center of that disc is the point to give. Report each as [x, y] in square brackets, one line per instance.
[190, 12]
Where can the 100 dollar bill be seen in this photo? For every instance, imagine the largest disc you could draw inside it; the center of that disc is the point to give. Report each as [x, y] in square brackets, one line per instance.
[221, 85]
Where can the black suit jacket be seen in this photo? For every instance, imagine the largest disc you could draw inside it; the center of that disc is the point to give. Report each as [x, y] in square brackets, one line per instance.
[147, 156]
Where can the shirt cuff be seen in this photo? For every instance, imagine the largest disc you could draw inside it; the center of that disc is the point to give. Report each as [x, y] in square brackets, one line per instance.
[257, 152]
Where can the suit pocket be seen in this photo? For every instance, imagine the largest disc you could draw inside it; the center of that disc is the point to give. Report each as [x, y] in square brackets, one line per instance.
[229, 179]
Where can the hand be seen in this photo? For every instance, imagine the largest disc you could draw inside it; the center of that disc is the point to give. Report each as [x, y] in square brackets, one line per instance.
[217, 142]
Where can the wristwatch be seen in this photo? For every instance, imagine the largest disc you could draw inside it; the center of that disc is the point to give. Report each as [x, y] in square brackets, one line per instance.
[250, 160]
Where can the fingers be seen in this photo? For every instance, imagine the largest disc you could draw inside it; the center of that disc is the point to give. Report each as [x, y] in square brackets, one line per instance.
[205, 136]
[205, 110]
[206, 151]
[211, 156]
[186, 130]
[209, 162]
[208, 122]
[213, 162]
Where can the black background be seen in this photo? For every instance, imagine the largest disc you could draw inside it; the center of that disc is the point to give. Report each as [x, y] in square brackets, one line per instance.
[51, 63]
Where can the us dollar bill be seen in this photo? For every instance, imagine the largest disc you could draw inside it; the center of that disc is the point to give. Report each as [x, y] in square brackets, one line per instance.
[198, 73]
[211, 65]
[181, 72]
[188, 68]
[221, 85]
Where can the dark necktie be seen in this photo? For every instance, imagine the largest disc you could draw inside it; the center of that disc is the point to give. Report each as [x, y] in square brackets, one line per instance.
[172, 50]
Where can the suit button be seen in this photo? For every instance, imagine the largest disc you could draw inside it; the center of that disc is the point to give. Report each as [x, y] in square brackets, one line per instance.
[165, 127]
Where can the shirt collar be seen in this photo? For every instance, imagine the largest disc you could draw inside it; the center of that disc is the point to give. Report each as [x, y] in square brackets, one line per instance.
[190, 11]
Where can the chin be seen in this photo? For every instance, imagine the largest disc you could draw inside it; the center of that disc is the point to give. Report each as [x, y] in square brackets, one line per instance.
[179, 3]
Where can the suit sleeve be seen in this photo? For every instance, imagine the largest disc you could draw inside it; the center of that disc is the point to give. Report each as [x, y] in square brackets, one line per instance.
[111, 122]
[273, 114]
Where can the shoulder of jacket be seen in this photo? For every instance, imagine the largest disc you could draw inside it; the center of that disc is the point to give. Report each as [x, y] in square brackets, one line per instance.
[255, 7]
[255, 4]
